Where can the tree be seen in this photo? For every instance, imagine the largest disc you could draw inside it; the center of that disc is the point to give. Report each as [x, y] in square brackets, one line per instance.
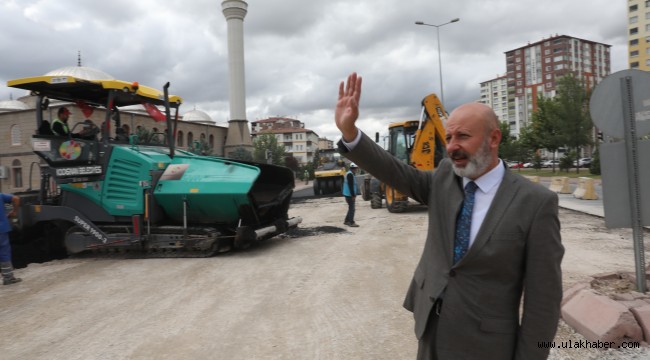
[507, 140]
[572, 109]
[546, 131]
[268, 142]
[527, 141]
[240, 153]
[512, 148]
[200, 147]
[291, 162]
[594, 168]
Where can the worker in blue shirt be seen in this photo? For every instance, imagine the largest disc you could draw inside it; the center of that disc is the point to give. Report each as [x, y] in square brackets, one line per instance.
[350, 191]
[6, 266]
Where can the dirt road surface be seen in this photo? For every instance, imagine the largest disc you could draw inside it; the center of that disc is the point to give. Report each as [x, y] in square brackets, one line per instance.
[325, 291]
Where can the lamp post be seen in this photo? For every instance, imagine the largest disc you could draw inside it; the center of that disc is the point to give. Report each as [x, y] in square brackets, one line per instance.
[442, 93]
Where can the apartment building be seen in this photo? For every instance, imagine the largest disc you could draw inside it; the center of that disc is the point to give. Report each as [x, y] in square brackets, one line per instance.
[325, 143]
[301, 143]
[533, 70]
[638, 30]
[494, 93]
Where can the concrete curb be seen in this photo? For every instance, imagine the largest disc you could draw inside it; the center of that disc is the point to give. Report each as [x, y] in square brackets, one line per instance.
[609, 318]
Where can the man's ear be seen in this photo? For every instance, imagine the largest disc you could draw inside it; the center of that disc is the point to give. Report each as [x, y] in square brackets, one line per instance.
[495, 137]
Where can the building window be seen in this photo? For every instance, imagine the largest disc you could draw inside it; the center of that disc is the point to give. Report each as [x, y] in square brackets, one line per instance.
[17, 173]
[634, 65]
[647, 27]
[647, 16]
[634, 53]
[211, 141]
[634, 8]
[634, 19]
[647, 62]
[634, 31]
[180, 138]
[634, 42]
[190, 138]
[15, 135]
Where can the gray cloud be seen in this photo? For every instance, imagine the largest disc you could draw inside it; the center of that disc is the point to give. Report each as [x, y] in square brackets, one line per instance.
[298, 51]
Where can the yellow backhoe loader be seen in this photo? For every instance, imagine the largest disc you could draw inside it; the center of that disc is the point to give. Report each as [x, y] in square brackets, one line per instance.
[419, 143]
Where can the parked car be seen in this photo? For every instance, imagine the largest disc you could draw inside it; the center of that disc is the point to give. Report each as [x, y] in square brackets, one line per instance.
[551, 163]
[584, 162]
[515, 165]
[529, 165]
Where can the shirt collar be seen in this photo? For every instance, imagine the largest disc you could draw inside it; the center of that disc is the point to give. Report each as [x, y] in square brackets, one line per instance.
[490, 179]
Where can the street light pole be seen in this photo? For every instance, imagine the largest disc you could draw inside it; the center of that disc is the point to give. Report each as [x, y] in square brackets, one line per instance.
[442, 93]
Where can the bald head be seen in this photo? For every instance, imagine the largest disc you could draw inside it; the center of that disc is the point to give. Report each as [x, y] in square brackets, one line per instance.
[479, 112]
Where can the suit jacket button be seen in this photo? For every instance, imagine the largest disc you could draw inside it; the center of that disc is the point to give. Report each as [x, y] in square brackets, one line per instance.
[452, 273]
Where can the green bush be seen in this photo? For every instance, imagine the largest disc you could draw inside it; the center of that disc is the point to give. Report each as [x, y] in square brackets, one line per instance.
[594, 168]
[537, 162]
[566, 162]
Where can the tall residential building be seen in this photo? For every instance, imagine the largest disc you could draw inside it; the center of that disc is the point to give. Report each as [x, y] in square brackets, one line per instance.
[533, 70]
[494, 93]
[301, 143]
[638, 30]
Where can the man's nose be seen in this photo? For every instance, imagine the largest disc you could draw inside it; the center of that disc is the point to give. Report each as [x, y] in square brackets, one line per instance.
[451, 145]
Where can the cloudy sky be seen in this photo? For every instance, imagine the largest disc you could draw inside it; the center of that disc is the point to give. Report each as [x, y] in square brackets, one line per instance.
[297, 51]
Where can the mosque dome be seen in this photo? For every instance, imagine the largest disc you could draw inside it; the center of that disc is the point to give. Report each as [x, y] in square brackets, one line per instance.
[13, 105]
[198, 116]
[81, 72]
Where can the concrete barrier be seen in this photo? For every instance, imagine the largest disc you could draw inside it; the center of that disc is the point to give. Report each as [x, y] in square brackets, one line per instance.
[532, 178]
[560, 184]
[586, 189]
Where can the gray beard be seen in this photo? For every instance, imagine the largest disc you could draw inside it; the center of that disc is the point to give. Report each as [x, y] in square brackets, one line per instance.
[476, 165]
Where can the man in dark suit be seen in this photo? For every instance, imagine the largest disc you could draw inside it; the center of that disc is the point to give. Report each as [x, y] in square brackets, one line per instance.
[493, 238]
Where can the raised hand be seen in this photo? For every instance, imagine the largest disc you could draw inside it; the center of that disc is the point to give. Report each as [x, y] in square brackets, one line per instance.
[347, 107]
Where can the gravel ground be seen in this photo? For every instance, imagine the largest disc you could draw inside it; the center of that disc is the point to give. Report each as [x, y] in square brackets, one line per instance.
[324, 291]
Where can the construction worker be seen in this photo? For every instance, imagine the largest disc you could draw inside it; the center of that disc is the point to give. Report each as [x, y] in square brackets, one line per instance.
[350, 191]
[60, 124]
[6, 266]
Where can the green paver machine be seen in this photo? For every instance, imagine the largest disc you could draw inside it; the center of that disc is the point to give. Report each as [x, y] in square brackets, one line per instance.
[109, 193]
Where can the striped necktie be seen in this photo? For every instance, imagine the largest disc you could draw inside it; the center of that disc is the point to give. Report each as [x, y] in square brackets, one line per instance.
[464, 222]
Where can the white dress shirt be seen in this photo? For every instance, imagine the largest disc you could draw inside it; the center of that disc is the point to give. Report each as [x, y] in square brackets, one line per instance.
[487, 188]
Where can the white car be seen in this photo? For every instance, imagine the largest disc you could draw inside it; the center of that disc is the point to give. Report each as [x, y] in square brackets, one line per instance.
[550, 163]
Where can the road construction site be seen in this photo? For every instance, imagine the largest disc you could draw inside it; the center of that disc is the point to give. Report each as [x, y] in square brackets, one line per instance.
[321, 291]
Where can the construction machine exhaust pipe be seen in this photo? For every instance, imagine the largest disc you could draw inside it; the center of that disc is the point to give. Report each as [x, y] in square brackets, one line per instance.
[291, 223]
[246, 236]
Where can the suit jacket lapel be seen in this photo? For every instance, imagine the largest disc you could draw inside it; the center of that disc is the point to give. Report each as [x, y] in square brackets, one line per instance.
[502, 199]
